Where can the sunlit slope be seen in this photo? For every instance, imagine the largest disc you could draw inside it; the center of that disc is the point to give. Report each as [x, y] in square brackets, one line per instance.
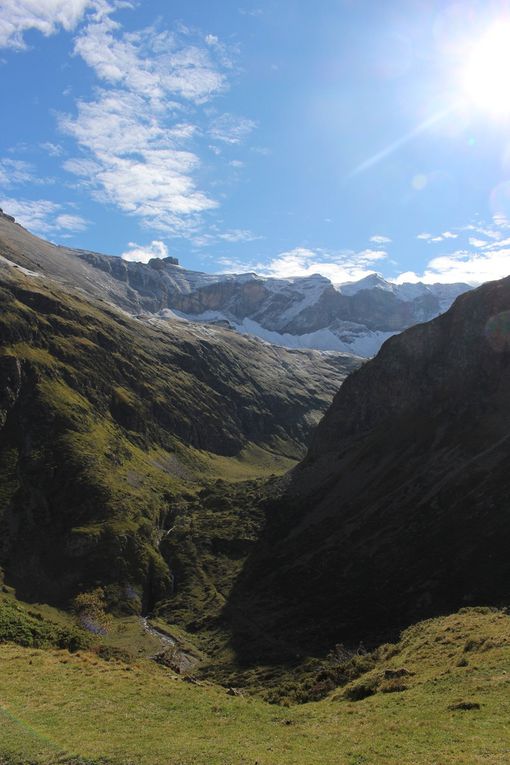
[105, 419]
[450, 705]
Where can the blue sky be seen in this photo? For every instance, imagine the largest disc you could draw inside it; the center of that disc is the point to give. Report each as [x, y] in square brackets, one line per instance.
[281, 136]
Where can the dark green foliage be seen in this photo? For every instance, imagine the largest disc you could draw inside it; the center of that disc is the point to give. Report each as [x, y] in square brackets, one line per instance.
[206, 540]
[362, 689]
[30, 630]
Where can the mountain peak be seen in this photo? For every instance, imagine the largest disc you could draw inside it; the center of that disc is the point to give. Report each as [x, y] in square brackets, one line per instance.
[372, 281]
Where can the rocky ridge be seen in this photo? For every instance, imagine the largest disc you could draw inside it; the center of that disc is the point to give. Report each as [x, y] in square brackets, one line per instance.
[300, 312]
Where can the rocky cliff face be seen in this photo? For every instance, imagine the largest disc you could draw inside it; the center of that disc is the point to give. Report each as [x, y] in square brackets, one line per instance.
[306, 312]
[400, 509]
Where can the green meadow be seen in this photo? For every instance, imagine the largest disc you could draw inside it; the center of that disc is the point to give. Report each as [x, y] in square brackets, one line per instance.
[438, 697]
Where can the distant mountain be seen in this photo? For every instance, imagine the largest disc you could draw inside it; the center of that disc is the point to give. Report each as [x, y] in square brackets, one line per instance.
[400, 510]
[408, 291]
[300, 312]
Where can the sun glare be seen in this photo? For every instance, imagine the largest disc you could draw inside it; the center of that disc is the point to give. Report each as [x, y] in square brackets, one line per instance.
[486, 78]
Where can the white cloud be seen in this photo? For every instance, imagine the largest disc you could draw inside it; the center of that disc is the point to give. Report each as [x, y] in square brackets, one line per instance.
[135, 162]
[238, 235]
[497, 245]
[229, 128]
[463, 266]
[14, 171]
[215, 235]
[480, 243]
[152, 63]
[42, 216]
[33, 214]
[143, 253]
[439, 238]
[301, 261]
[378, 239]
[407, 277]
[138, 134]
[70, 222]
[424, 236]
[46, 16]
[53, 149]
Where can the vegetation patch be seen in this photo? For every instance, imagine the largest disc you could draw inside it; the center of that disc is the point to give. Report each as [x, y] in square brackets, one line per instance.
[30, 629]
[67, 708]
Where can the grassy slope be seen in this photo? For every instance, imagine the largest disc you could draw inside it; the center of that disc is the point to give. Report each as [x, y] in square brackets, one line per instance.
[56, 706]
[126, 409]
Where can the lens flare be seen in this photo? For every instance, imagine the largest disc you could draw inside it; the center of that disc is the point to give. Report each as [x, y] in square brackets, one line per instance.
[497, 332]
[486, 78]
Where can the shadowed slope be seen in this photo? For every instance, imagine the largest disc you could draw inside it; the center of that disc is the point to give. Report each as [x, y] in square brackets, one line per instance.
[400, 510]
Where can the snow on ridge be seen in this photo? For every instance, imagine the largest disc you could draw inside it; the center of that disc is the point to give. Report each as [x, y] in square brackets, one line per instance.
[348, 338]
[372, 281]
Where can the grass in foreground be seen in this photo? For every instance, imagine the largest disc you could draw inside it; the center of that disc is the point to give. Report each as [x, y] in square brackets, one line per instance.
[451, 705]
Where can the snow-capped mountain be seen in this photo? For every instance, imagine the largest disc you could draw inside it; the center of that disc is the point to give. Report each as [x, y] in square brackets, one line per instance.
[309, 312]
[298, 312]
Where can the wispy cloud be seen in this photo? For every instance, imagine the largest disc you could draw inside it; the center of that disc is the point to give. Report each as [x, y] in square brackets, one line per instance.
[439, 238]
[43, 216]
[251, 12]
[14, 171]
[139, 136]
[229, 128]
[46, 16]
[137, 253]
[474, 242]
[53, 149]
[378, 239]
[215, 235]
[153, 63]
[68, 222]
[480, 253]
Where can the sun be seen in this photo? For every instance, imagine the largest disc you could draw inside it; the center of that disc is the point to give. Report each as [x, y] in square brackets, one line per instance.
[486, 77]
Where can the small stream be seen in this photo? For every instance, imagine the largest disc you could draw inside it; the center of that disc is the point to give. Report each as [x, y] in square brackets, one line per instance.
[165, 639]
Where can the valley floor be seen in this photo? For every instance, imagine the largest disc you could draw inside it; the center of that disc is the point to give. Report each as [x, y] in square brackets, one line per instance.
[440, 697]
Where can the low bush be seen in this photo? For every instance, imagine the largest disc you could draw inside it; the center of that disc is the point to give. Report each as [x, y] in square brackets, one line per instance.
[30, 630]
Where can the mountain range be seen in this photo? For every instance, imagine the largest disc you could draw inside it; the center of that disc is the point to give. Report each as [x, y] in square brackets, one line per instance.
[299, 312]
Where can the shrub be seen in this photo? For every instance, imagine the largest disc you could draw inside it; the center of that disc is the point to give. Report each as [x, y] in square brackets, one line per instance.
[32, 631]
[90, 609]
